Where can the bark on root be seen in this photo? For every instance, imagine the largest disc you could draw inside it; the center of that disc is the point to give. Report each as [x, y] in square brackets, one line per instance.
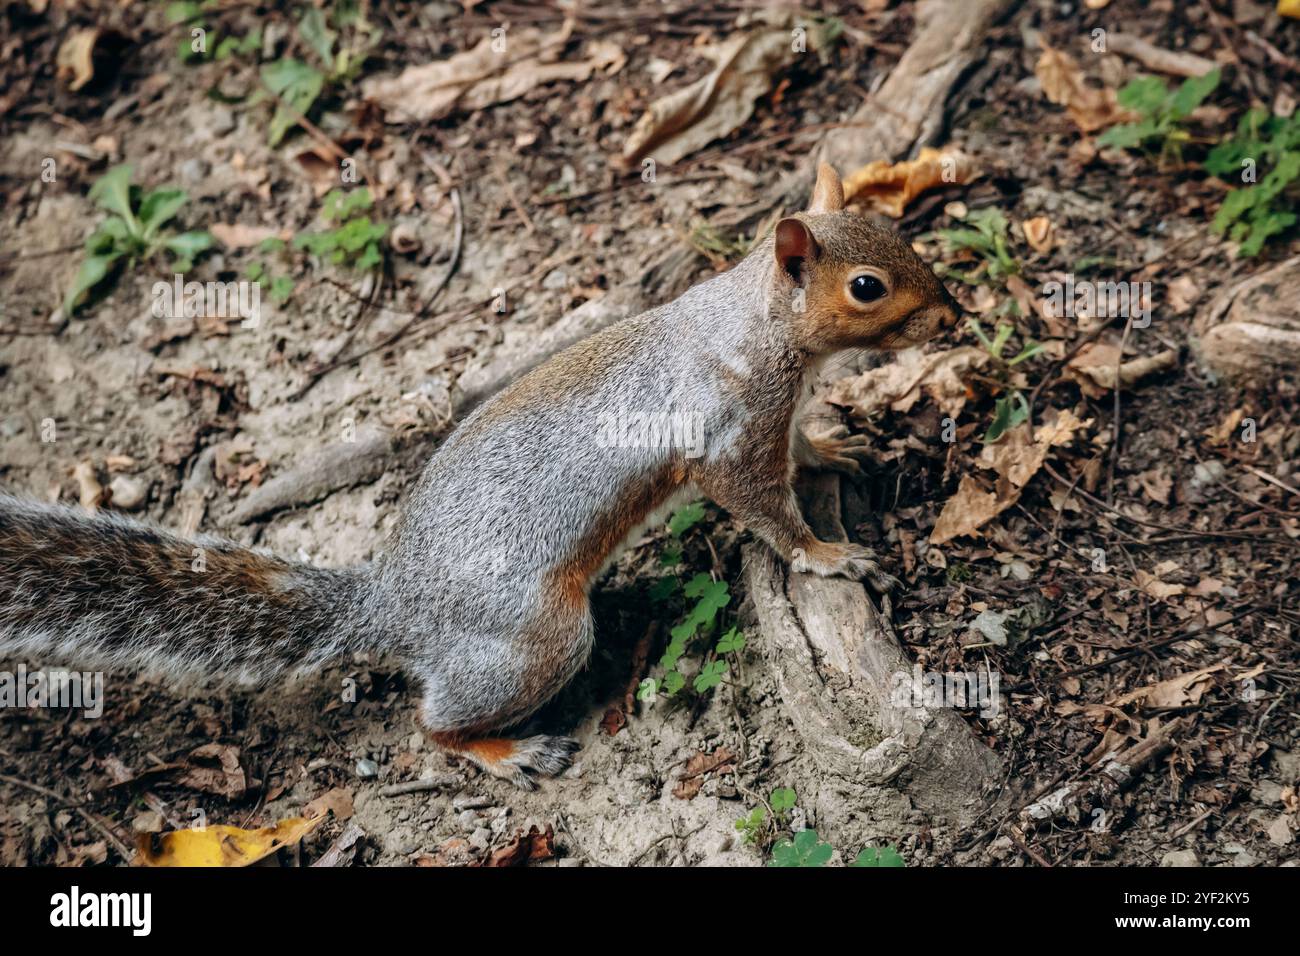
[837, 661]
[1251, 332]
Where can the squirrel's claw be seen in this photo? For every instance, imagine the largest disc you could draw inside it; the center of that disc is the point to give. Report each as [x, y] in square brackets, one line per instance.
[519, 761]
[839, 450]
[533, 757]
[846, 561]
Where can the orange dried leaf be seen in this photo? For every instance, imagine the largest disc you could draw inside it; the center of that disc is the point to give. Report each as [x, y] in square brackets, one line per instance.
[890, 187]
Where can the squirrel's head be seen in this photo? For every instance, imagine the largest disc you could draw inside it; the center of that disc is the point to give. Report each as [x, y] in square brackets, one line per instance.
[853, 284]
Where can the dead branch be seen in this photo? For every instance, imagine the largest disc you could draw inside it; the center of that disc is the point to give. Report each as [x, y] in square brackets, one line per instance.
[1162, 61]
[1075, 801]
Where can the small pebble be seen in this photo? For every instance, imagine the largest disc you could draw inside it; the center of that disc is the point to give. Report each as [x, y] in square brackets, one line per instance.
[367, 768]
[151, 821]
[128, 493]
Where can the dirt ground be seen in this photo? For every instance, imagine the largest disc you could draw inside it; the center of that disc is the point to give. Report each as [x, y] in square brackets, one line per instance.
[550, 222]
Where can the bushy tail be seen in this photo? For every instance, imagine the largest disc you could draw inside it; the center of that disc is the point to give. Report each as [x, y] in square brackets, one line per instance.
[102, 590]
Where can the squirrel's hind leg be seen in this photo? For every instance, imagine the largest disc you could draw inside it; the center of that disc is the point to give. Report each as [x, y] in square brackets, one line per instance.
[518, 760]
[495, 683]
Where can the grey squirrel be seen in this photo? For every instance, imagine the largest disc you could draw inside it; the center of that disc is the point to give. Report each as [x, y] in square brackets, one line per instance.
[482, 593]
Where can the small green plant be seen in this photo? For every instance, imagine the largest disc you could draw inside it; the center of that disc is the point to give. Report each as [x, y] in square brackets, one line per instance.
[1162, 113]
[340, 41]
[1011, 408]
[281, 289]
[985, 235]
[884, 856]
[958, 572]
[202, 43]
[133, 232]
[297, 86]
[783, 801]
[353, 243]
[779, 805]
[751, 827]
[355, 240]
[708, 598]
[806, 849]
[1256, 214]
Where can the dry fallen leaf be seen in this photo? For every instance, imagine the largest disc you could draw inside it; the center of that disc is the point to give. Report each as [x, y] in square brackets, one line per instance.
[1063, 83]
[214, 768]
[692, 778]
[1227, 428]
[530, 847]
[337, 801]
[1094, 368]
[1157, 483]
[1152, 585]
[1181, 691]
[1039, 233]
[453, 852]
[74, 62]
[899, 384]
[717, 104]
[90, 491]
[889, 187]
[613, 721]
[220, 845]
[485, 76]
[1183, 293]
[968, 509]
[1015, 459]
[321, 168]
[236, 236]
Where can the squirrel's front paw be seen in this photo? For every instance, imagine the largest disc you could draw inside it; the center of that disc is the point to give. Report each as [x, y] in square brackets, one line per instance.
[839, 450]
[833, 559]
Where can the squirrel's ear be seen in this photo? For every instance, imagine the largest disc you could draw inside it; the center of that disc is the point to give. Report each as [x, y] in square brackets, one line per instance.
[795, 245]
[828, 194]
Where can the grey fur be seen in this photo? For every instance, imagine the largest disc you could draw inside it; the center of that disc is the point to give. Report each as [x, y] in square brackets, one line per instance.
[465, 594]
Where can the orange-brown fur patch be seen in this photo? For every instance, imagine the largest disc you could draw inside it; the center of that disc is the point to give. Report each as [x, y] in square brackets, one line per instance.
[823, 552]
[833, 321]
[492, 750]
[630, 507]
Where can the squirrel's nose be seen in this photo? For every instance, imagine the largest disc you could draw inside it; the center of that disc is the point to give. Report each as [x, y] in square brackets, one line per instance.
[953, 310]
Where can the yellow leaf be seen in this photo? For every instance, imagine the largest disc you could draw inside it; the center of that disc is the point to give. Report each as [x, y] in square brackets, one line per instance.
[1289, 8]
[221, 845]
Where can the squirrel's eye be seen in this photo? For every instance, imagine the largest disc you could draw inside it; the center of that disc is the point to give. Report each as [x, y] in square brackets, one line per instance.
[866, 288]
